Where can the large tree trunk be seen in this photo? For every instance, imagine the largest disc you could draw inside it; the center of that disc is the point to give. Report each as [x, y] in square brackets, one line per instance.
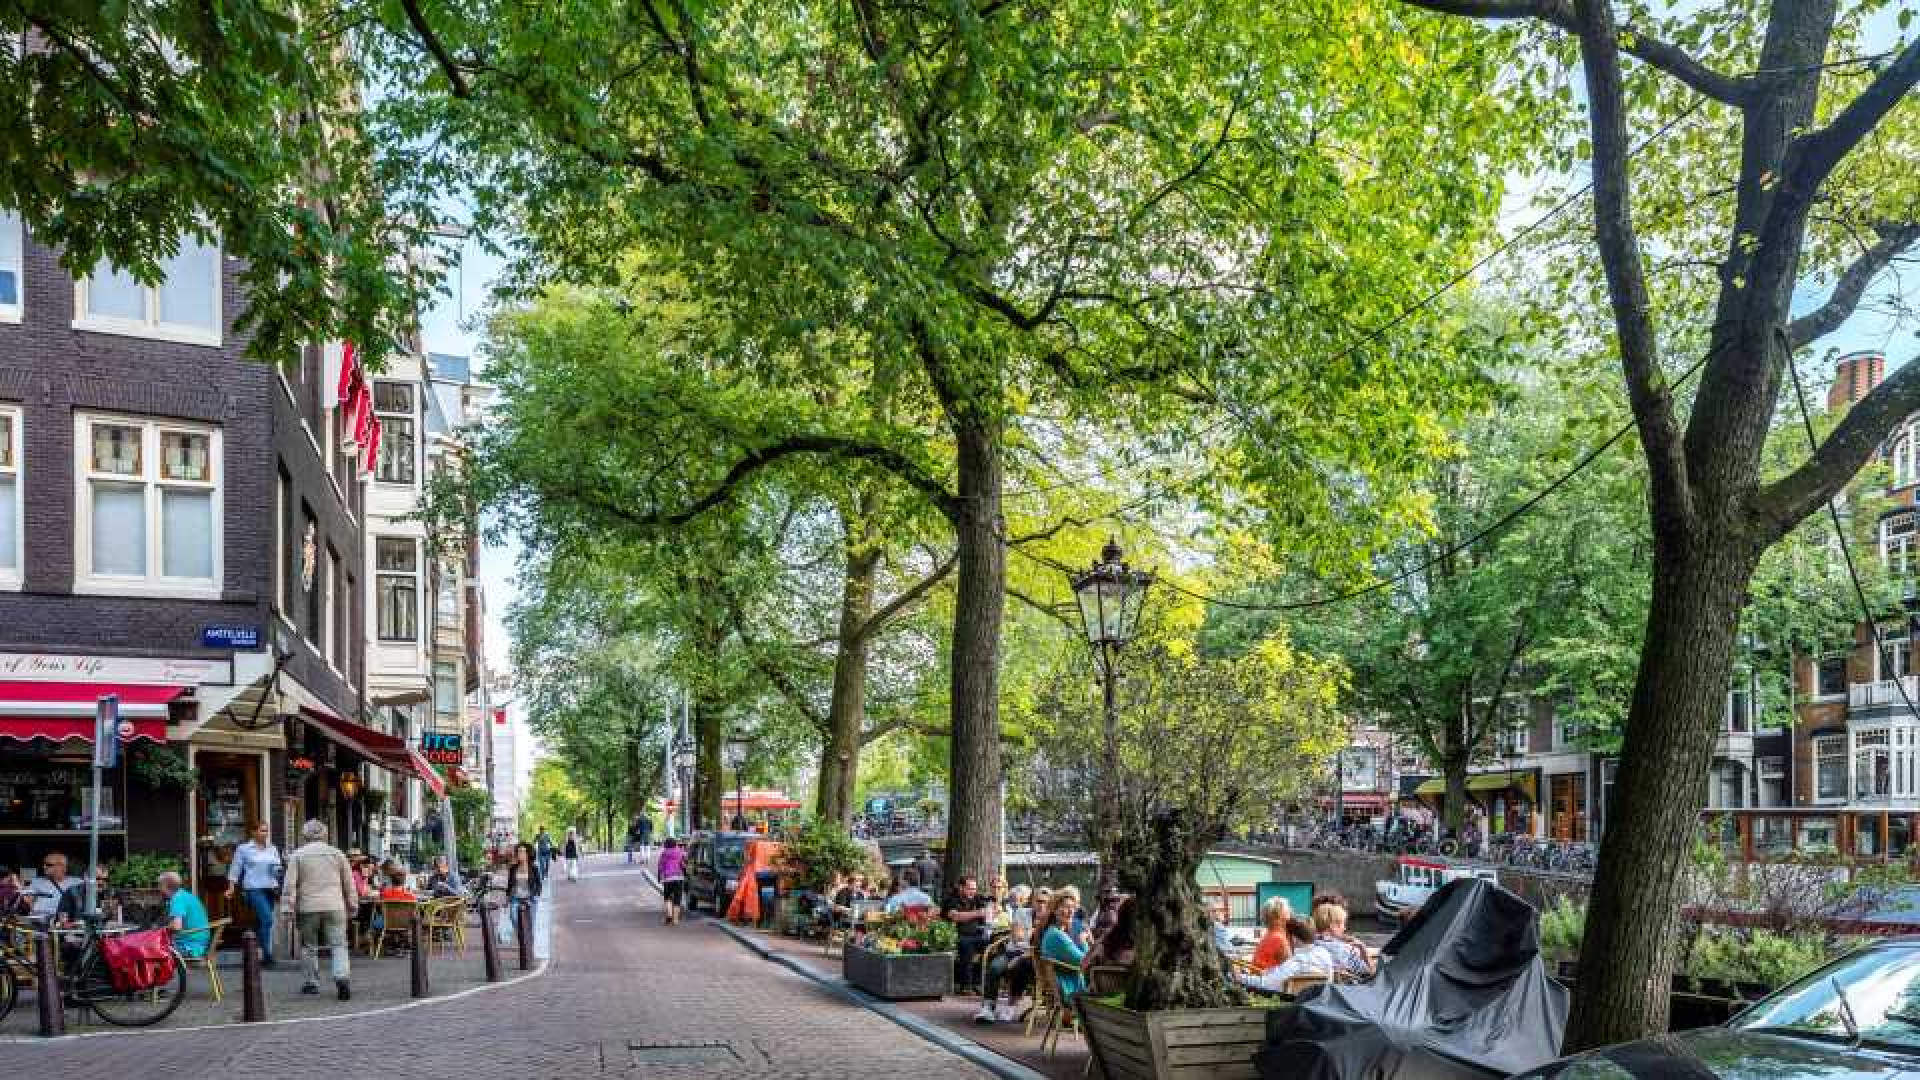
[1632, 928]
[709, 728]
[847, 712]
[1175, 965]
[973, 812]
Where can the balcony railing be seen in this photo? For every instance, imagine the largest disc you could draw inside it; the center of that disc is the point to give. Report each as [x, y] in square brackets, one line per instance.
[1884, 692]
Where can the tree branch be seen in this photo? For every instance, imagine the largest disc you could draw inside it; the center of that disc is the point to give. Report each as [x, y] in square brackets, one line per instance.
[1815, 154]
[456, 76]
[1650, 50]
[879, 619]
[1048, 610]
[1894, 240]
[1619, 245]
[884, 457]
[1787, 501]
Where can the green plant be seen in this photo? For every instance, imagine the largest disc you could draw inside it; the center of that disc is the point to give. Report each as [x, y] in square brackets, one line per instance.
[817, 851]
[140, 871]
[163, 767]
[374, 802]
[913, 932]
[1770, 958]
[1561, 928]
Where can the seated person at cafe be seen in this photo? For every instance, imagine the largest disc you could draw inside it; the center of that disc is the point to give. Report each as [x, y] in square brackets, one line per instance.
[910, 894]
[1222, 937]
[440, 882]
[1307, 959]
[969, 911]
[1276, 946]
[12, 899]
[1330, 925]
[186, 917]
[395, 889]
[53, 884]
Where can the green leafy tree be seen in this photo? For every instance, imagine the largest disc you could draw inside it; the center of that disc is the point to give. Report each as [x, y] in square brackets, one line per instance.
[138, 125]
[1774, 154]
[1078, 211]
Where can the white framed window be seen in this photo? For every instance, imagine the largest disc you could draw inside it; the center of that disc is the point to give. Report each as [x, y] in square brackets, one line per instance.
[397, 565]
[1739, 720]
[446, 688]
[393, 405]
[183, 307]
[1899, 546]
[329, 607]
[1872, 764]
[13, 536]
[1773, 782]
[1830, 676]
[1894, 657]
[1900, 457]
[148, 494]
[13, 296]
[1830, 767]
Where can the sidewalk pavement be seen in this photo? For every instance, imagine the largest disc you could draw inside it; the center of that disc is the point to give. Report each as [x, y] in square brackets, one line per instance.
[377, 984]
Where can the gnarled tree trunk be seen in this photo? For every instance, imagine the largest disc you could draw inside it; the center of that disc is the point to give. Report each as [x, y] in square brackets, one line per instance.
[1175, 965]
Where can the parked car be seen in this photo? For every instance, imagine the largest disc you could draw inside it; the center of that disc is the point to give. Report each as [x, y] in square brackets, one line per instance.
[714, 862]
[1857, 1017]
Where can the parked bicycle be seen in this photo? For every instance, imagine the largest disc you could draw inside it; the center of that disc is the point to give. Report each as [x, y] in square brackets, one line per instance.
[87, 981]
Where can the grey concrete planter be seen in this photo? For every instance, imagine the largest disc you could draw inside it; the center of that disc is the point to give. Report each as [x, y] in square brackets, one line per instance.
[898, 977]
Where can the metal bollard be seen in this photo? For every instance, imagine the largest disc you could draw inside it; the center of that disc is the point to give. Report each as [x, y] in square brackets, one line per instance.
[523, 929]
[489, 948]
[253, 995]
[418, 960]
[53, 1009]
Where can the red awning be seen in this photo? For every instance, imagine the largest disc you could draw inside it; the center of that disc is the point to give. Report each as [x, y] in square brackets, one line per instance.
[64, 710]
[755, 800]
[1357, 800]
[387, 751]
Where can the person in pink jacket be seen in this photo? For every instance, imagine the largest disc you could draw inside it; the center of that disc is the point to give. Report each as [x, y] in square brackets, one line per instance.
[672, 874]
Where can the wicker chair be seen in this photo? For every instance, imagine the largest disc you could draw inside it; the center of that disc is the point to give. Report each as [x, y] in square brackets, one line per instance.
[1060, 1015]
[445, 922]
[396, 918]
[1105, 979]
[206, 959]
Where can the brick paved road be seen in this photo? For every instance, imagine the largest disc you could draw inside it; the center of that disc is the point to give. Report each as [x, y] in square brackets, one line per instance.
[621, 987]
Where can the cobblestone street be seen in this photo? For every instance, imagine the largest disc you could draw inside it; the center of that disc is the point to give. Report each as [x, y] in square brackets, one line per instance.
[624, 996]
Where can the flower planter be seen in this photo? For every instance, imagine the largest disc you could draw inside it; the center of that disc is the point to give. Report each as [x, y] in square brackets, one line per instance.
[1178, 1044]
[898, 976]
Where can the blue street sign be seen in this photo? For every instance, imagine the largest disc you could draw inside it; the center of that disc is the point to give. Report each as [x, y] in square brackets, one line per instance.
[230, 637]
[106, 732]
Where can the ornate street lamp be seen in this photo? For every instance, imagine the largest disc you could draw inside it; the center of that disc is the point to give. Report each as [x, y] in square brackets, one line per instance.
[738, 747]
[1111, 595]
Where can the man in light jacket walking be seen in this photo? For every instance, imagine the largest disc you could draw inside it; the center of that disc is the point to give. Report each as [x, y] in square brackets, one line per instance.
[318, 892]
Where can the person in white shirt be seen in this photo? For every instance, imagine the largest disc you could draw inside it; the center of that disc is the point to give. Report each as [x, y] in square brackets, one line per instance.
[1308, 958]
[910, 894]
[1330, 925]
[255, 873]
[47, 890]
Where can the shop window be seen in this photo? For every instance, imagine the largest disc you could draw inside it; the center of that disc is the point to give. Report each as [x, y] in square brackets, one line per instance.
[1818, 836]
[1830, 767]
[1866, 835]
[1773, 835]
[1773, 782]
[149, 506]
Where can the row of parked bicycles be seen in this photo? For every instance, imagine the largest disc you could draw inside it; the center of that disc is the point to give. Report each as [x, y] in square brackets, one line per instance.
[1506, 848]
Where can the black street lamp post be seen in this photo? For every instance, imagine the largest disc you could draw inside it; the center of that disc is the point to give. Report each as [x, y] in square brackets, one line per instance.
[683, 771]
[1111, 595]
[737, 749]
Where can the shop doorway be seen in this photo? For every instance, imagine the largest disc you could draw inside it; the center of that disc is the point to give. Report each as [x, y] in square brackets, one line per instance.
[1567, 803]
[225, 809]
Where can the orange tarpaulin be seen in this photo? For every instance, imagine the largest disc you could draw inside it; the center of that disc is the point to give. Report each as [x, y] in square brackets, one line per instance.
[745, 907]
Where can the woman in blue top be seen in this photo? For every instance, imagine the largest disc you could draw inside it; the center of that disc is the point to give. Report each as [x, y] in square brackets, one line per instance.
[1059, 946]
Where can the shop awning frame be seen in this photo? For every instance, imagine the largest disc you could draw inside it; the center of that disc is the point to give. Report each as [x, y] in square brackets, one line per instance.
[1498, 781]
[62, 711]
[387, 751]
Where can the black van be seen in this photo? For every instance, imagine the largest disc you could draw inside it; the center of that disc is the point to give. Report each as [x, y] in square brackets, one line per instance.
[714, 862]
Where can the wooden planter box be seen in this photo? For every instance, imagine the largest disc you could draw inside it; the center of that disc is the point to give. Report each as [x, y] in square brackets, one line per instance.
[900, 977]
[1180, 1044]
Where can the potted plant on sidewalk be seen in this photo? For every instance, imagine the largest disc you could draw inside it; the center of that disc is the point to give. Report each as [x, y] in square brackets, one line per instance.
[813, 855]
[909, 955]
[1207, 742]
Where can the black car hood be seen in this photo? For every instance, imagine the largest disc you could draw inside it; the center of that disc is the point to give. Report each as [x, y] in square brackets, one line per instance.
[1727, 1054]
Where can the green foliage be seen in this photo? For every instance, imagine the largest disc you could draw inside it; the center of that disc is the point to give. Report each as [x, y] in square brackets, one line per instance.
[162, 767]
[1561, 928]
[472, 807]
[236, 122]
[912, 933]
[1768, 957]
[818, 850]
[141, 871]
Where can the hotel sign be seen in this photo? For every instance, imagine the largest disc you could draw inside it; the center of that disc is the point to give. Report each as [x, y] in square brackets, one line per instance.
[440, 748]
[157, 670]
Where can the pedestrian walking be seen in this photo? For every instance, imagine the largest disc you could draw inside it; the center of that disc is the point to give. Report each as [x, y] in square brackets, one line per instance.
[319, 894]
[645, 825]
[524, 881]
[672, 875]
[571, 853]
[256, 873]
[543, 850]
